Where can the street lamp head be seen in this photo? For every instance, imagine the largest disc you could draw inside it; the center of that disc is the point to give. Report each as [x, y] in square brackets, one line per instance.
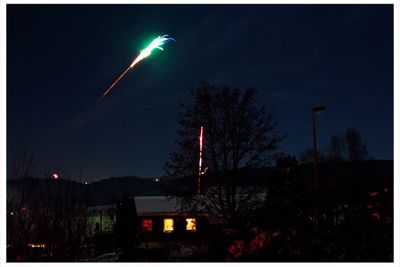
[318, 109]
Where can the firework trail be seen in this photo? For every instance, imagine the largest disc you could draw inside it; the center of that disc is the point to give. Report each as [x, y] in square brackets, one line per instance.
[200, 158]
[156, 43]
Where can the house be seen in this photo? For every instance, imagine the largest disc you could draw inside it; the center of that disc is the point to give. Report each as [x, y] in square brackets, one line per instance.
[160, 220]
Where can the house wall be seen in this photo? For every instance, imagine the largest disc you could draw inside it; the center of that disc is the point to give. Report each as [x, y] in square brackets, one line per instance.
[203, 228]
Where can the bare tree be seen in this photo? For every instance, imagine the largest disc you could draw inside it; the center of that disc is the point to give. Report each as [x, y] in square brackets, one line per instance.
[45, 211]
[63, 219]
[357, 149]
[349, 147]
[239, 134]
[306, 156]
[19, 214]
[337, 148]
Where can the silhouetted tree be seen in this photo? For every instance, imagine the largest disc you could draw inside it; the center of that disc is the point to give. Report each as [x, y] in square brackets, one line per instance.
[19, 200]
[349, 147]
[126, 224]
[273, 229]
[238, 134]
[286, 163]
[307, 156]
[285, 195]
[44, 211]
[359, 229]
[337, 148]
[357, 149]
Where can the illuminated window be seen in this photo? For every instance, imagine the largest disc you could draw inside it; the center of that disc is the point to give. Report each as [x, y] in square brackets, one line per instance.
[168, 225]
[36, 245]
[191, 224]
[147, 225]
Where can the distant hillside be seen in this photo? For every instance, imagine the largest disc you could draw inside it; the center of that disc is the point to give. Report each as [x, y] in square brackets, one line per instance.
[39, 188]
[339, 180]
[110, 190]
[102, 192]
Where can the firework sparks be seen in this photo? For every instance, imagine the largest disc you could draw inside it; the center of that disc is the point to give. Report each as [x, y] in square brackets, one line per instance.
[200, 158]
[157, 43]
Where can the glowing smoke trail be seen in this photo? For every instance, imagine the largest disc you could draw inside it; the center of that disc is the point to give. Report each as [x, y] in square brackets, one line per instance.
[156, 43]
[200, 158]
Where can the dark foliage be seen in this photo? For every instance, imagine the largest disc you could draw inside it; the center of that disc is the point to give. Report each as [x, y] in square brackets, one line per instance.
[337, 148]
[126, 225]
[347, 147]
[44, 211]
[357, 149]
[355, 223]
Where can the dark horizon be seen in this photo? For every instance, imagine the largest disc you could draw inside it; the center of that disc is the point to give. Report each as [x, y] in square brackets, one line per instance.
[296, 56]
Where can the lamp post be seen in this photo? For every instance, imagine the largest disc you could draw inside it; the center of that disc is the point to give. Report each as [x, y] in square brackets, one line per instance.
[314, 111]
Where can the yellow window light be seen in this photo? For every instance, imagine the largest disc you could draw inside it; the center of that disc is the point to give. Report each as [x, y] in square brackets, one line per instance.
[36, 245]
[168, 225]
[191, 224]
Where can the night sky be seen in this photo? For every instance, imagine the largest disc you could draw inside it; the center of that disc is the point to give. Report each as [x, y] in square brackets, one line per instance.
[61, 58]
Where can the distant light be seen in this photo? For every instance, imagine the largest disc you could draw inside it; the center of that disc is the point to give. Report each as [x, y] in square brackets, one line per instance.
[55, 176]
[85, 182]
[12, 213]
[157, 179]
